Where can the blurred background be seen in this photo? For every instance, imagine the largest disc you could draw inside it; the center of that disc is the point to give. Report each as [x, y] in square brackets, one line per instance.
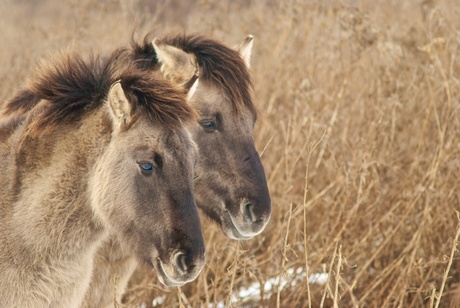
[359, 132]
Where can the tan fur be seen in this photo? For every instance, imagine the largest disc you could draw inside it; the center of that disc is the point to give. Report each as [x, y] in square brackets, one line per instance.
[65, 187]
[34, 272]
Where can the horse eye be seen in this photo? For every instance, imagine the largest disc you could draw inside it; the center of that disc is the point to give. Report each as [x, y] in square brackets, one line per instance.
[146, 167]
[209, 126]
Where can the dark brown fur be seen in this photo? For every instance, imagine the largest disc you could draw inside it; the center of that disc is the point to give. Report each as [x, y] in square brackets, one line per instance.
[218, 63]
[73, 87]
[21, 102]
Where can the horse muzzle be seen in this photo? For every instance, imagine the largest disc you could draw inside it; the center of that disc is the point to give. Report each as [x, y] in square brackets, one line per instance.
[182, 267]
[247, 223]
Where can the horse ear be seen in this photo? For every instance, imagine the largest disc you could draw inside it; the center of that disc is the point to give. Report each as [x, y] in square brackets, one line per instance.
[192, 90]
[176, 65]
[119, 105]
[245, 49]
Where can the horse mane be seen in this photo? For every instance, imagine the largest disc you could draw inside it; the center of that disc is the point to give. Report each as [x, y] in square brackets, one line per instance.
[218, 63]
[22, 102]
[9, 124]
[73, 87]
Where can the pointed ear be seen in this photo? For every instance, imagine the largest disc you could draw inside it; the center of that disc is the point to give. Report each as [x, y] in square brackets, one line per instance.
[245, 49]
[192, 90]
[119, 105]
[176, 65]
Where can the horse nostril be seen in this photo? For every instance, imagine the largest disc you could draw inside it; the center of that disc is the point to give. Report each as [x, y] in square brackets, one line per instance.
[248, 212]
[182, 262]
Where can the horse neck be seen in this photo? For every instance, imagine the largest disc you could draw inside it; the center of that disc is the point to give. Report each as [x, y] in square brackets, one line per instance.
[49, 211]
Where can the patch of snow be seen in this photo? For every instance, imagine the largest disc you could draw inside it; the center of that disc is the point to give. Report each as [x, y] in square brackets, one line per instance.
[319, 278]
[292, 277]
[271, 285]
[158, 301]
[218, 305]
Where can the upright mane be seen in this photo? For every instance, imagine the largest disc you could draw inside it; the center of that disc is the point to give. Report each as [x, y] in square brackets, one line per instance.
[218, 63]
[73, 86]
[22, 102]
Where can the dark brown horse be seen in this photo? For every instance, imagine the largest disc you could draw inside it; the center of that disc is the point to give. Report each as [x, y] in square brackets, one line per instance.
[103, 151]
[230, 184]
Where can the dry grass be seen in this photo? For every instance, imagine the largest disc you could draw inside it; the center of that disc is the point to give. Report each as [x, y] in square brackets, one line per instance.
[360, 130]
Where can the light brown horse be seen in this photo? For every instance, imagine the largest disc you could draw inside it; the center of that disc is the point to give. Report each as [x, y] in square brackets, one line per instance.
[230, 184]
[102, 152]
